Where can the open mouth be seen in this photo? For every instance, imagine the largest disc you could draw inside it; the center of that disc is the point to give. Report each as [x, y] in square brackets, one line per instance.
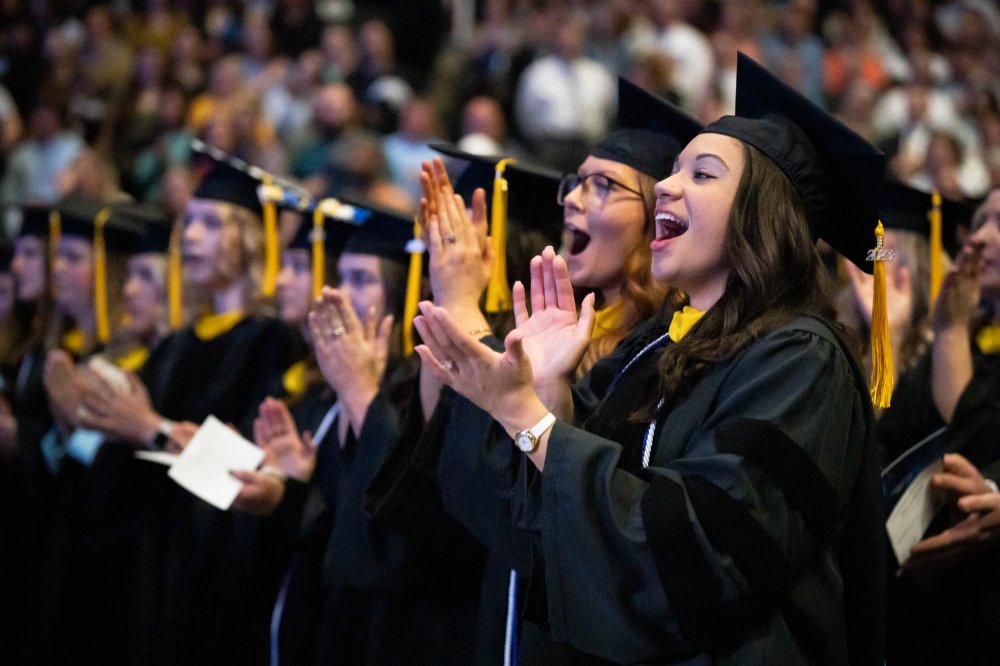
[578, 240]
[669, 226]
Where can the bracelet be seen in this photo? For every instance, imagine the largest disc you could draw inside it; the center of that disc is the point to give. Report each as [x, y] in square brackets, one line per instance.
[480, 332]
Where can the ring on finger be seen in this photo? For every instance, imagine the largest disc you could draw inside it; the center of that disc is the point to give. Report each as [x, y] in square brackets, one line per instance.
[448, 364]
[451, 238]
[338, 331]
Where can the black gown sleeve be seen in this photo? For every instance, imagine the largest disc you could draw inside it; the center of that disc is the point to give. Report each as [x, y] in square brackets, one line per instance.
[724, 545]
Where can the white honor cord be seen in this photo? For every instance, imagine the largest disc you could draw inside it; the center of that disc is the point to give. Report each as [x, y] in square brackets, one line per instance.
[647, 447]
[508, 639]
[325, 424]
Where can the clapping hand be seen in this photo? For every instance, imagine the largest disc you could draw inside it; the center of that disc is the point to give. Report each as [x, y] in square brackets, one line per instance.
[274, 431]
[959, 297]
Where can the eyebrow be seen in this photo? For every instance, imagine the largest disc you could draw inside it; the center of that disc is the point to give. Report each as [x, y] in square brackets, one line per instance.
[712, 156]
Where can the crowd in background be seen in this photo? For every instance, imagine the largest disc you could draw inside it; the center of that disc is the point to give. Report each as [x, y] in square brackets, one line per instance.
[104, 98]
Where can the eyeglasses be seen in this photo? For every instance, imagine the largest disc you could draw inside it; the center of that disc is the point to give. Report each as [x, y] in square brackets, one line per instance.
[596, 185]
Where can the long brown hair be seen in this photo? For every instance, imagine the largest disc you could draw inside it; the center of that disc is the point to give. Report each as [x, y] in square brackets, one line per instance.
[776, 274]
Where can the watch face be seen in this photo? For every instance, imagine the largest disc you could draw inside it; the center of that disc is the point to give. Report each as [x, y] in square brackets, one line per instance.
[524, 441]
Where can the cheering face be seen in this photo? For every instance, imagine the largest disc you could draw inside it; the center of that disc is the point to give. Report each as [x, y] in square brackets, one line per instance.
[29, 268]
[987, 233]
[692, 218]
[145, 293]
[361, 278]
[603, 218]
[295, 286]
[211, 244]
[73, 275]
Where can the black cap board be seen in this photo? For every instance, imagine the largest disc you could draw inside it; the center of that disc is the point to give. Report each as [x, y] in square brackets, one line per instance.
[651, 132]
[34, 220]
[78, 215]
[224, 182]
[385, 233]
[155, 223]
[835, 171]
[904, 207]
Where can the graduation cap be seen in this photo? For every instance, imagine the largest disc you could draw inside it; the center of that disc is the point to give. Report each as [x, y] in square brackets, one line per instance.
[651, 132]
[35, 221]
[313, 232]
[94, 220]
[6, 255]
[533, 204]
[395, 236]
[160, 236]
[231, 180]
[929, 214]
[836, 173]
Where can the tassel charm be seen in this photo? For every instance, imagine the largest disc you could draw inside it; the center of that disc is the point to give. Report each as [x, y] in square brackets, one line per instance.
[882, 377]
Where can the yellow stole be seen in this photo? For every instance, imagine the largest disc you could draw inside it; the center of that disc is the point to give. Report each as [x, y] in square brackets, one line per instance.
[210, 326]
[74, 341]
[988, 339]
[294, 379]
[133, 360]
[682, 322]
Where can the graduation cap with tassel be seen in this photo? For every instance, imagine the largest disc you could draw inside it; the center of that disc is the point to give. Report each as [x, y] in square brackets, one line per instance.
[836, 173]
[97, 222]
[233, 180]
[313, 233]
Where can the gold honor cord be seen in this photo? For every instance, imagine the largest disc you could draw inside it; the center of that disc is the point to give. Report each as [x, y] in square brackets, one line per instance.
[413, 287]
[272, 260]
[937, 247]
[318, 252]
[55, 231]
[882, 373]
[101, 277]
[498, 296]
[174, 304]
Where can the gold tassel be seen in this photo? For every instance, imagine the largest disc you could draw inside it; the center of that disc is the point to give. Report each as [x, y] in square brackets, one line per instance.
[936, 249]
[413, 286]
[318, 252]
[174, 305]
[272, 258]
[55, 231]
[101, 277]
[882, 372]
[498, 296]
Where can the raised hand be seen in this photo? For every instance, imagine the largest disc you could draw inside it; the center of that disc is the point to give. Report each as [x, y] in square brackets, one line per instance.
[460, 254]
[274, 431]
[351, 355]
[126, 414]
[959, 297]
[554, 337]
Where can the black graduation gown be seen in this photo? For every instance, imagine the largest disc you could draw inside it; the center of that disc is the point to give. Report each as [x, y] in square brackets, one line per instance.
[952, 616]
[392, 598]
[754, 536]
[218, 573]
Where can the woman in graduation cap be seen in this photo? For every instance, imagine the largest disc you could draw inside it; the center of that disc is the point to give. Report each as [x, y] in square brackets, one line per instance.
[741, 522]
[943, 607]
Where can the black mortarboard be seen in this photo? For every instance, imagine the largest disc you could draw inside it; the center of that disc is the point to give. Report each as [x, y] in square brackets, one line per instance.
[224, 182]
[385, 232]
[651, 132]
[532, 189]
[6, 255]
[156, 226]
[835, 171]
[34, 221]
[907, 208]
[79, 215]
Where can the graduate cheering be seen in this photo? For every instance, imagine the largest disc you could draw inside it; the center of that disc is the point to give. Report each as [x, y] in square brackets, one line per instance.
[748, 529]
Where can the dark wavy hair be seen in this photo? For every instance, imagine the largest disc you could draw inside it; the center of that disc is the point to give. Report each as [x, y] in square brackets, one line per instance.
[775, 275]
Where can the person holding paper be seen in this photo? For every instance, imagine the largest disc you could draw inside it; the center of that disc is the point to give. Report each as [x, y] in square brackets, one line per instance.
[742, 523]
[944, 606]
